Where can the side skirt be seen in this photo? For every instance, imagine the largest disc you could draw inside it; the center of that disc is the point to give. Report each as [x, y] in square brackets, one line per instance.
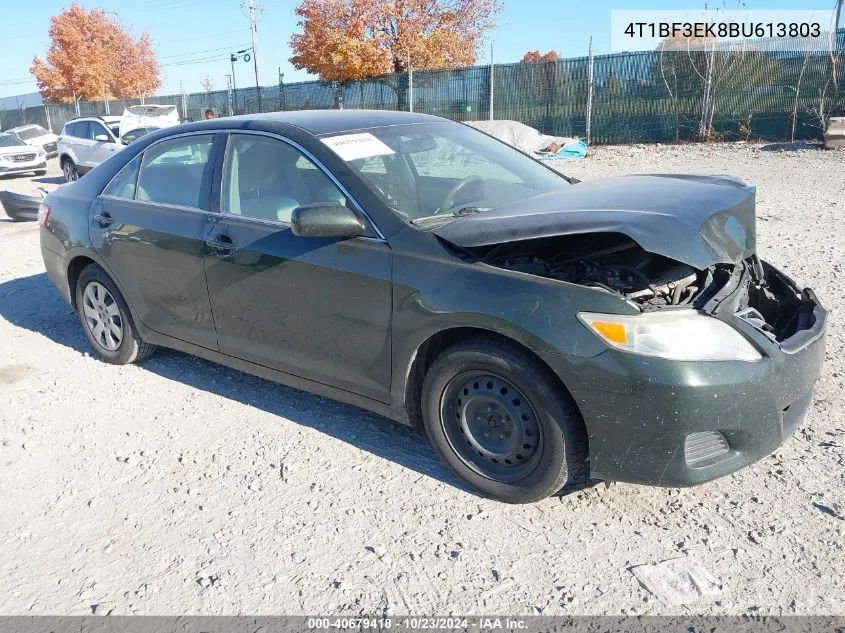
[289, 380]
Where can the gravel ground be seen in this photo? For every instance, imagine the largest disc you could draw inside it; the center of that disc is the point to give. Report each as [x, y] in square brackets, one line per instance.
[179, 486]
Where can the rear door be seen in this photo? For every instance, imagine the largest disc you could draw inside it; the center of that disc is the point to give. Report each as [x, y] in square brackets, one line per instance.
[149, 226]
[318, 308]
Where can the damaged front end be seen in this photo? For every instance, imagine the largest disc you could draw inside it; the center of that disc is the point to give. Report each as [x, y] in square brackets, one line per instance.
[750, 289]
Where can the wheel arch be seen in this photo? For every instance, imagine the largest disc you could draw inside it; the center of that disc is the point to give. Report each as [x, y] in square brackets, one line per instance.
[431, 347]
[74, 269]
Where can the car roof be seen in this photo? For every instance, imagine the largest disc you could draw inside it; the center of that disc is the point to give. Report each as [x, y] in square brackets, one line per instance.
[106, 118]
[23, 127]
[321, 122]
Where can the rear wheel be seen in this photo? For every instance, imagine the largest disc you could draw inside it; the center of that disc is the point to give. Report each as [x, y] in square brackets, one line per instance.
[502, 422]
[69, 170]
[106, 320]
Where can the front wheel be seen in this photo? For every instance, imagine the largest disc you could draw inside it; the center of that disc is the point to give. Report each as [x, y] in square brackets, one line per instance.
[69, 170]
[106, 319]
[502, 422]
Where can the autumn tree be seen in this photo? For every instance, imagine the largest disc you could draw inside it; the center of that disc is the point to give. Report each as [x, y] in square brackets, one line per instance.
[92, 57]
[533, 57]
[348, 40]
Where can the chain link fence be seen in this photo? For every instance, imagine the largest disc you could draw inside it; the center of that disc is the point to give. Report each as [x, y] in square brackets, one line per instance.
[745, 92]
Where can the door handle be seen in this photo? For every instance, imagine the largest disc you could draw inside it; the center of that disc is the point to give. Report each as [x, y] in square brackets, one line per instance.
[222, 245]
[103, 219]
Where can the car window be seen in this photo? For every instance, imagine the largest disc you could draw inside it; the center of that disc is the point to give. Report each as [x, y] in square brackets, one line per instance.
[123, 185]
[448, 159]
[83, 130]
[173, 172]
[95, 129]
[266, 178]
[7, 140]
[433, 170]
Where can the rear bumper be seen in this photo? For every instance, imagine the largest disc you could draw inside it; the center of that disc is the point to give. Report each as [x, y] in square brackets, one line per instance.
[55, 265]
[639, 411]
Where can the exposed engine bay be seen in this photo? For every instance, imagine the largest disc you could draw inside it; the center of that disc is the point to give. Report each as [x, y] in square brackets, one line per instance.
[614, 262]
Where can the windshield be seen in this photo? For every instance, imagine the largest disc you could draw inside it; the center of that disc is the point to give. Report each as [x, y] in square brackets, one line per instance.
[7, 140]
[115, 129]
[439, 169]
[31, 132]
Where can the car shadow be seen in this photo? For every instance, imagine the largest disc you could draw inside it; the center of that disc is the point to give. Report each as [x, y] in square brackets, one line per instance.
[33, 304]
[50, 180]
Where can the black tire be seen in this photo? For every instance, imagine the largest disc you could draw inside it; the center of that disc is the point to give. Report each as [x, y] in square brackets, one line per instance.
[69, 169]
[130, 348]
[555, 427]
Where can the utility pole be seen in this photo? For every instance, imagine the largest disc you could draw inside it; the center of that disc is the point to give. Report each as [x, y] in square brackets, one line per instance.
[229, 94]
[253, 30]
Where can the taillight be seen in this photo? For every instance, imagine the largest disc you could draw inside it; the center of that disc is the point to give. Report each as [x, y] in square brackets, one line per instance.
[43, 214]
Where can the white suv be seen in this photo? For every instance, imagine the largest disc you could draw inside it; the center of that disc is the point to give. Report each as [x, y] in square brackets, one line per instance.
[86, 142]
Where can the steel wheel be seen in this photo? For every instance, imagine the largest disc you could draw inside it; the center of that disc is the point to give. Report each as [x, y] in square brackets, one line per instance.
[491, 426]
[102, 316]
[70, 172]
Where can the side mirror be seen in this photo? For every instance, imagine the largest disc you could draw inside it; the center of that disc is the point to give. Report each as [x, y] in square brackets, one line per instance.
[127, 139]
[326, 219]
[101, 138]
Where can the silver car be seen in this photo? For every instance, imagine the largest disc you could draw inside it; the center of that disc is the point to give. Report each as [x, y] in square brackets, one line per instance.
[86, 142]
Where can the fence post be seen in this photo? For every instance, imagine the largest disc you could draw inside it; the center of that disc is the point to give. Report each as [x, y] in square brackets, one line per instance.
[184, 102]
[492, 67]
[47, 113]
[590, 91]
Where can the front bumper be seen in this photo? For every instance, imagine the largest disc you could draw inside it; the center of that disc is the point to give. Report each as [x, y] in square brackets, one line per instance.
[640, 410]
[8, 168]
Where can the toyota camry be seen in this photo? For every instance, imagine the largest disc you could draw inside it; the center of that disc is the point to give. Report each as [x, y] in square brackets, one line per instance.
[540, 329]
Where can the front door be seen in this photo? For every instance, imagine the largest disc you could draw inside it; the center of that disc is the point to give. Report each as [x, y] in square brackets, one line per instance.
[101, 149]
[318, 308]
[149, 227]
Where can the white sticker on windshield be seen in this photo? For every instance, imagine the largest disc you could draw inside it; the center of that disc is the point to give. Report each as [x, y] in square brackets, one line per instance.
[355, 146]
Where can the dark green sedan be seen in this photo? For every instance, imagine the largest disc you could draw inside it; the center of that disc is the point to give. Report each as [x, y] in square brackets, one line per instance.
[543, 331]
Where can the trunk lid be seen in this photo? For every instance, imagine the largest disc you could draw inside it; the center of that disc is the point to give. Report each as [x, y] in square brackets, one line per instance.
[696, 220]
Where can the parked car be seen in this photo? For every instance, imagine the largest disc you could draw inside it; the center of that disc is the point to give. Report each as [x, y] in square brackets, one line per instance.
[541, 330]
[17, 157]
[86, 142]
[37, 136]
[138, 132]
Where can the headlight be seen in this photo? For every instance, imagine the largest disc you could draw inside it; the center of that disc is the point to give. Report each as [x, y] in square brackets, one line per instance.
[672, 334]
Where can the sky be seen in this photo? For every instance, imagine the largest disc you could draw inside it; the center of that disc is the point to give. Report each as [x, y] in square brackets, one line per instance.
[193, 38]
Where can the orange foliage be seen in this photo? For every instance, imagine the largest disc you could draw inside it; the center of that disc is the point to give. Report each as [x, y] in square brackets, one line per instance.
[92, 57]
[534, 56]
[345, 40]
